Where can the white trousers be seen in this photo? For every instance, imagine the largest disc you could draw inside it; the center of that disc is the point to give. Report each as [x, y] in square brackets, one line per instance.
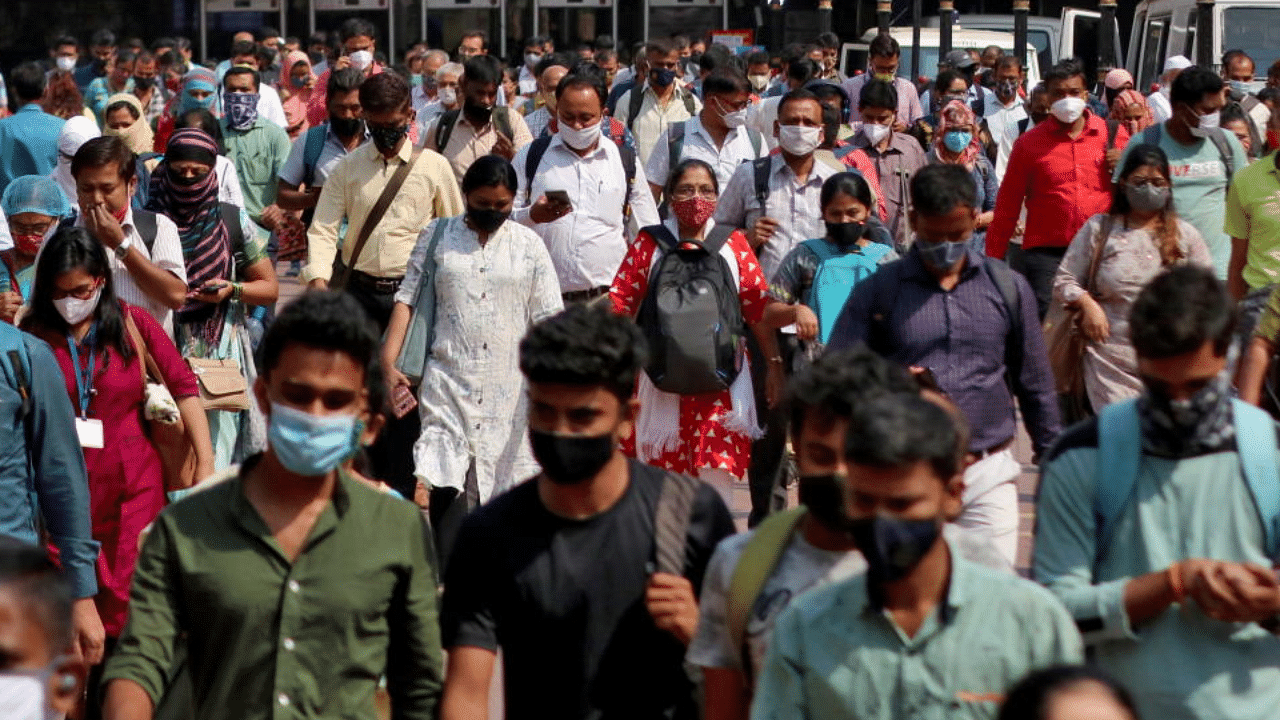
[990, 502]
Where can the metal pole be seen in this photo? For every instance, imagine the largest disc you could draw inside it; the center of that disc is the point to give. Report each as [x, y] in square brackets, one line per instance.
[644, 24]
[946, 8]
[916, 17]
[824, 16]
[1021, 8]
[535, 17]
[614, 31]
[724, 24]
[775, 25]
[284, 32]
[422, 21]
[311, 17]
[391, 32]
[502, 26]
[1204, 34]
[1106, 38]
[204, 31]
[884, 15]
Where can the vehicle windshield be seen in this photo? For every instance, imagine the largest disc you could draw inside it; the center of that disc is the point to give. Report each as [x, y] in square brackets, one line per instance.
[1256, 30]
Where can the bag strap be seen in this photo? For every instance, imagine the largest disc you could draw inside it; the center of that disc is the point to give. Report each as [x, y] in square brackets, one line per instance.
[444, 128]
[1219, 139]
[634, 104]
[1113, 129]
[757, 142]
[761, 167]
[662, 236]
[147, 225]
[6, 257]
[675, 146]
[716, 239]
[759, 559]
[688, 102]
[671, 522]
[375, 215]
[537, 149]
[1104, 231]
[235, 232]
[628, 158]
[1256, 446]
[1116, 473]
[148, 365]
[312, 151]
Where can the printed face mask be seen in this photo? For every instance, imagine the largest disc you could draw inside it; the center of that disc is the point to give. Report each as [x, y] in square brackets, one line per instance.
[694, 211]
[241, 109]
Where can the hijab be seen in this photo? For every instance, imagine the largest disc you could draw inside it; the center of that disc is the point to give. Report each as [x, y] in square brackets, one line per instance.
[76, 132]
[957, 115]
[137, 136]
[198, 78]
[1124, 101]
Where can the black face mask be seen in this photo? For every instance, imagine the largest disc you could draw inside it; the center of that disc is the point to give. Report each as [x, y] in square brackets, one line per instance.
[388, 139]
[144, 83]
[487, 221]
[570, 459]
[478, 114]
[346, 127]
[823, 497]
[892, 546]
[845, 234]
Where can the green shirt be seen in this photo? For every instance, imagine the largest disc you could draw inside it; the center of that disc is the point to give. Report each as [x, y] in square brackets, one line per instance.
[267, 638]
[1253, 214]
[259, 154]
[836, 655]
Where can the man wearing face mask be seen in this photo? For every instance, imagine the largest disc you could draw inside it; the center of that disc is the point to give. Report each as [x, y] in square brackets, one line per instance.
[285, 535]
[315, 154]
[479, 127]
[550, 70]
[65, 53]
[102, 47]
[973, 322]
[758, 72]
[152, 94]
[426, 92]
[562, 568]
[895, 156]
[358, 44]
[718, 136]
[257, 147]
[448, 81]
[884, 60]
[1009, 107]
[1238, 70]
[651, 106]
[532, 56]
[1202, 589]
[1203, 159]
[921, 611]
[1059, 170]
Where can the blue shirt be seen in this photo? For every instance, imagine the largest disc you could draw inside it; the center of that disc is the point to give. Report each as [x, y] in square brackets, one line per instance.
[28, 143]
[46, 476]
[962, 335]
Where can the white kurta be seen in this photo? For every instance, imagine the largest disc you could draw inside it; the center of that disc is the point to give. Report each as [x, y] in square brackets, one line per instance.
[472, 398]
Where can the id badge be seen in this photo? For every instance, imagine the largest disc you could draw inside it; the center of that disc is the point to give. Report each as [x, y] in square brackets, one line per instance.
[90, 433]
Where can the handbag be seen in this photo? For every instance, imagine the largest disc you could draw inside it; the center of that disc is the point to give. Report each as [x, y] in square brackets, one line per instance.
[412, 358]
[1062, 334]
[165, 429]
[222, 384]
[344, 269]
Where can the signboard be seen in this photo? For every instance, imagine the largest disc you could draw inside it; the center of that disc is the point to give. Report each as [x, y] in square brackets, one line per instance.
[464, 4]
[242, 5]
[733, 39]
[685, 3]
[352, 4]
[589, 4]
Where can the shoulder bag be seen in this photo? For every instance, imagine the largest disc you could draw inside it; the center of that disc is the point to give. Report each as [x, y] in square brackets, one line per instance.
[167, 432]
[343, 274]
[1063, 336]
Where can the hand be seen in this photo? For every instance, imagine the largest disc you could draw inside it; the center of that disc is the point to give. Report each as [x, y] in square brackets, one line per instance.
[272, 216]
[899, 126]
[395, 378]
[101, 224]
[1093, 322]
[88, 635]
[1113, 157]
[342, 63]
[10, 303]
[775, 384]
[763, 229]
[806, 323]
[318, 284]
[204, 471]
[669, 599]
[215, 297]
[545, 210]
[1233, 592]
[421, 496]
[504, 147]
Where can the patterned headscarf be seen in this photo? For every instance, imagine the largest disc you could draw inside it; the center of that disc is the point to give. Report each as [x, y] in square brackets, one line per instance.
[206, 242]
[1123, 102]
[137, 136]
[957, 115]
[198, 78]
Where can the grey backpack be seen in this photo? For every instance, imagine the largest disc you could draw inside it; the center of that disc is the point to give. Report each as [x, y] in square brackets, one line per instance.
[691, 315]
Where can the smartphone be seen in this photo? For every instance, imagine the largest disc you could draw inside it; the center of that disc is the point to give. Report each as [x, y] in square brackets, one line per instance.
[211, 289]
[402, 401]
[559, 196]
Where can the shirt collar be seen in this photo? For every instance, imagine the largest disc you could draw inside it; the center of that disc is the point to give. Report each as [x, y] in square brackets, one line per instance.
[406, 151]
[959, 588]
[556, 140]
[251, 521]
[674, 226]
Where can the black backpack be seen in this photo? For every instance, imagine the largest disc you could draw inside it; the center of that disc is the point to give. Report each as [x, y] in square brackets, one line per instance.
[691, 315]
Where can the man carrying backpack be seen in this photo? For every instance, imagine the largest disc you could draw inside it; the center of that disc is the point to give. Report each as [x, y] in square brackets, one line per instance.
[1157, 521]
[480, 126]
[319, 149]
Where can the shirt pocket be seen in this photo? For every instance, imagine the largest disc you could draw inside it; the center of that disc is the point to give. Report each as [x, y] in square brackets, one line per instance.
[257, 168]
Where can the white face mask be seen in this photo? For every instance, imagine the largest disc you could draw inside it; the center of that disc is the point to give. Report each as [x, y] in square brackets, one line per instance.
[448, 96]
[1208, 123]
[74, 310]
[580, 139]
[759, 82]
[361, 60]
[66, 63]
[798, 139]
[25, 695]
[1068, 109]
[875, 134]
[532, 59]
[735, 119]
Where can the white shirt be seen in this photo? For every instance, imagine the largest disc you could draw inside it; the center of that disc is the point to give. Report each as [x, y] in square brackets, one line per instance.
[1000, 119]
[588, 244]
[699, 145]
[528, 83]
[653, 118]
[762, 116]
[269, 107]
[1161, 110]
[228, 182]
[166, 254]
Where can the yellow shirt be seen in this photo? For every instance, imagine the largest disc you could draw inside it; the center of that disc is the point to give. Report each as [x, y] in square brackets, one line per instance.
[351, 191]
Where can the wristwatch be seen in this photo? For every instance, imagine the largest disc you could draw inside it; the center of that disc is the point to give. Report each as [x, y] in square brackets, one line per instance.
[122, 250]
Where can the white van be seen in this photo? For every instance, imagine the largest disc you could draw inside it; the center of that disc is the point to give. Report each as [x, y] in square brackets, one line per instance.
[1074, 34]
[854, 55]
[1164, 28]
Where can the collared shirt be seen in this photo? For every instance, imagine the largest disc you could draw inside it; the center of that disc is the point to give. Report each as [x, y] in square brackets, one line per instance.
[698, 144]
[654, 117]
[28, 143]
[1004, 145]
[795, 205]
[528, 82]
[1179, 664]
[1253, 214]
[909, 108]
[44, 484]
[467, 144]
[962, 335]
[258, 154]
[1161, 108]
[895, 166]
[351, 191]
[836, 654]
[537, 121]
[294, 171]
[971, 98]
[1063, 181]
[267, 637]
[1000, 120]
[588, 244]
[165, 253]
[155, 106]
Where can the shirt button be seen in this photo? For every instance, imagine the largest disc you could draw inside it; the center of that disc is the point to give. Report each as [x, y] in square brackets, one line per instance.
[484, 295]
[294, 586]
[289, 644]
[283, 700]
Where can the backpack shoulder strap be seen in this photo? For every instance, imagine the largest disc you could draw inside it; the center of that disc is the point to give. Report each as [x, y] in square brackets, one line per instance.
[312, 150]
[761, 168]
[231, 218]
[671, 522]
[662, 236]
[757, 141]
[633, 105]
[1219, 139]
[537, 149]
[502, 121]
[759, 559]
[444, 128]
[1022, 125]
[675, 145]
[20, 368]
[1113, 129]
[1116, 473]
[688, 102]
[718, 236]
[628, 158]
[843, 152]
[145, 221]
[1256, 445]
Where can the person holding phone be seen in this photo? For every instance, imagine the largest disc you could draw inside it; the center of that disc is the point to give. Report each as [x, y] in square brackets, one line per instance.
[359, 43]
[493, 281]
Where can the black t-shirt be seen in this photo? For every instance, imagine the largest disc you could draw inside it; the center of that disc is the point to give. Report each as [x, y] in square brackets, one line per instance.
[565, 601]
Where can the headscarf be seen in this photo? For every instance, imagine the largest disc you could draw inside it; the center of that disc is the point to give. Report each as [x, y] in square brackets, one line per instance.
[198, 78]
[291, 58]
[137, 136]
[957, 115]
[1123, 102]
[206, 242]
[1115, 80]
[76, 132]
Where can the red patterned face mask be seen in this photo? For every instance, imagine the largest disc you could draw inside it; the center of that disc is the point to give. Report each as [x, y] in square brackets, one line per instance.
[693, 212]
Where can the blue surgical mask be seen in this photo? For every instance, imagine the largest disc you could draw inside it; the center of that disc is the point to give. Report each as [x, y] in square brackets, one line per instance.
[941, 255]
[312, 445]
[957, 140]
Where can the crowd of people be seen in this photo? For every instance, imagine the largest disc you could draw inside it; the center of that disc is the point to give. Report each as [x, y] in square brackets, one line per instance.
[562, 315]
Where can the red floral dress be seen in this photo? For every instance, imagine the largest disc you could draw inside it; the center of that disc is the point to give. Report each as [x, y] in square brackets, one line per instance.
[704, 441]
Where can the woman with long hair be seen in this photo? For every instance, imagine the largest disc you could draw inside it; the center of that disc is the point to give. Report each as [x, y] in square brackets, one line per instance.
[63, 99]
[1137, 239]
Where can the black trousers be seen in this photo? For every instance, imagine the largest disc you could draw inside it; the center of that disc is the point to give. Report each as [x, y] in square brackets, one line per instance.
[767, 471]
[1039, 267]
[449, 508]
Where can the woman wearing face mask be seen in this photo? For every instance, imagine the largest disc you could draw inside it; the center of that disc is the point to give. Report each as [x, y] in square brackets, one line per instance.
[493, 280]
[708, 435]
[74, 308]
[34, 206]
[956, 142]
[124, 119]
[227, 271]
[199, 92]
[1137, 239]
[295, 92]
[949, 86]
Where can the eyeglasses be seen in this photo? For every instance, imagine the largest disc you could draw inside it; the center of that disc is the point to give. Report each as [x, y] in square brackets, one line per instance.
[687, 193]
[1140, 182]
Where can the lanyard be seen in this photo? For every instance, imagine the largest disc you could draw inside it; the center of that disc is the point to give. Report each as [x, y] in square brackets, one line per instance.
[84, 380]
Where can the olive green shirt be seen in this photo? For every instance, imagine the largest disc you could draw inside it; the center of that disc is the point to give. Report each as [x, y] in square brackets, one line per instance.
[267, 638]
